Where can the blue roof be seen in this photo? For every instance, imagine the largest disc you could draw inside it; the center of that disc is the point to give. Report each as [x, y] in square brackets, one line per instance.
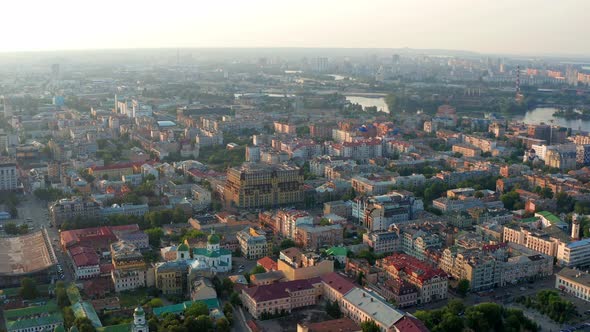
[579, 243]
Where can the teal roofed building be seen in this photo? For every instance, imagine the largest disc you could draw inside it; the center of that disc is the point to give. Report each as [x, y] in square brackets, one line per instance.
[85, 309]
[179, 308]
[218, 259]
[39, 318]
[339, 254]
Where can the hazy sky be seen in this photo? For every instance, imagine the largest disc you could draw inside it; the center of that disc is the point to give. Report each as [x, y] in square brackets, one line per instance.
[497, 26]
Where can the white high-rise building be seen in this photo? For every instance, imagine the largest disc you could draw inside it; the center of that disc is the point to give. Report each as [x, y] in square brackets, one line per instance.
[8, 175]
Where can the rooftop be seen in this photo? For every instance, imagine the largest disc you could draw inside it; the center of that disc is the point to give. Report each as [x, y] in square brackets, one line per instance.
[24, 254]
[578, 276]
[374, 306]
[337, 282]
[335, 325]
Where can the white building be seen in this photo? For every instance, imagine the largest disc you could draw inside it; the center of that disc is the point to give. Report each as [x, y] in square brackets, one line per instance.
[8, 175]
[574, 282]
[253, 243]
[361, 305]
[218, 259]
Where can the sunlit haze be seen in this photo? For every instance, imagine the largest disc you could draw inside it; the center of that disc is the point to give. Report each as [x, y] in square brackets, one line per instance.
[499, 26]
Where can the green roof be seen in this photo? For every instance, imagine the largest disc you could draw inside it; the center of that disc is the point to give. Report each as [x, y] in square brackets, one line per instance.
[115, 328]
[59, 328]
[31, 317]
[182, 247]
[337, 251]
[50, 307]
[207, 253]
[550, 216]
[85, 309]
[181, 307]
[24, 323]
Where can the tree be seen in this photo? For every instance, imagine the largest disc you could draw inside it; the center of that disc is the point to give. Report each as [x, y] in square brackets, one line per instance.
[203, 323]
[510, 200]
[222, 325]
[257, 269]
[28, 289]
[11, 228]
[84, 324]
[69, 317]
[333, 309]
[155, 303]
[463, 287]
[234, 299]
[154, 235]
[197, 309]
[227, 286]
[324, 222]
[61, 295]
[287, 243]
[370, 326]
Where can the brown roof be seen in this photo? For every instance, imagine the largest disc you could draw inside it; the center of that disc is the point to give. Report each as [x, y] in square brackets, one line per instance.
[335, 325]
[410, 324]
[337, 282]
[277, 290]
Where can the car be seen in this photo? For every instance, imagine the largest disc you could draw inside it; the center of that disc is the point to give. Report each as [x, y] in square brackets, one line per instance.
[241, 266]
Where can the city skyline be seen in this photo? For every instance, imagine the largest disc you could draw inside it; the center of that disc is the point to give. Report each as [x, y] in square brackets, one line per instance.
[499, 27]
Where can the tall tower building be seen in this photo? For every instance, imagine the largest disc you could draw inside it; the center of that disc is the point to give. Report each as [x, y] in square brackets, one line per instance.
[139, 322]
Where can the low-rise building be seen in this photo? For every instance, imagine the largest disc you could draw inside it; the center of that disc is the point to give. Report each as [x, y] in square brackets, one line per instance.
[85, 262]
[574, 282]
[361, 305]
[280, 297]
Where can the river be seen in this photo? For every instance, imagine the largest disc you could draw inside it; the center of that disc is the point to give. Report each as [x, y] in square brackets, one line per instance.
[545, 114]
[369, 101]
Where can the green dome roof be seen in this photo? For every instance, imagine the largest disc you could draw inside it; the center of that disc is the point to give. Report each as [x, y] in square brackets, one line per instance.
[182, 247]
[213, 239]
[139, 311]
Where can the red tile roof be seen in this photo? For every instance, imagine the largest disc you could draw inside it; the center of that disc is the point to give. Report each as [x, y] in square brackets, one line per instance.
[337, 282]
[117, 166]
[268, 264]
[410, 324]
[411, 265]
[83, 256]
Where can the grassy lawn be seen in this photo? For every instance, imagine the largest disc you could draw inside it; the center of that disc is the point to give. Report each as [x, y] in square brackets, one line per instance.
[133, 298]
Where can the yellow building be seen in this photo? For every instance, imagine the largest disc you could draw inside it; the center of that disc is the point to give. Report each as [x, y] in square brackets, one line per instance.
[296, 265]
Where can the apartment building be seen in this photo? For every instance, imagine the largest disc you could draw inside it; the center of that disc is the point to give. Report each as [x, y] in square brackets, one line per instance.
[288, 221]
[257, 185]
[75, 207]
[382, 241]
[253, 243]
[379, 212]
[8, 175]
[466, 150]
[129, 268]
[314, 237]
[432, 283]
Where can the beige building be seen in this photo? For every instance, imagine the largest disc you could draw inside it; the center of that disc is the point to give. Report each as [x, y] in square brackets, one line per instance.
[467, 150]
[281, 297]
[296, 265]
[574, 282]
[258, 185]
[314, 237]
